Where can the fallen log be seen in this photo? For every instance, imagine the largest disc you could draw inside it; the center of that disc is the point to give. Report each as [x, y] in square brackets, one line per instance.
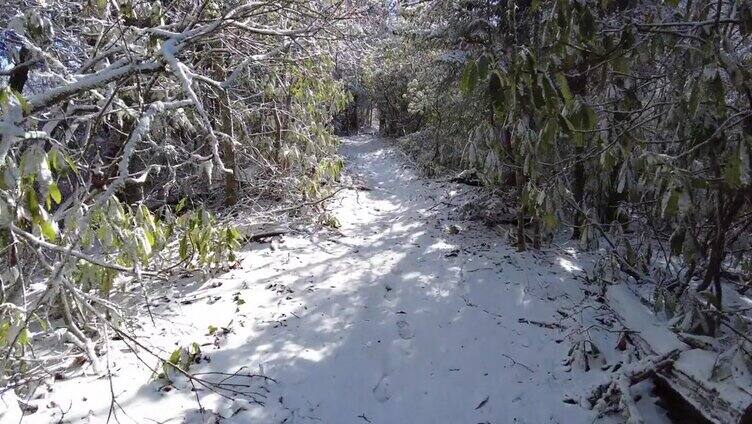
[261, 232]
[264, 235]
[680, 370]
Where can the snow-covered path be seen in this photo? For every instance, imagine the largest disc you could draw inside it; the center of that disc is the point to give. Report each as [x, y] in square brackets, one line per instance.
[406, 322]
[401, 319]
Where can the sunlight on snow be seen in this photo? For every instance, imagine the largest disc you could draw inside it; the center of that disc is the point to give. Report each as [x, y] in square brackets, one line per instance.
[411, 275]
[440, 245]
[522, 297]
[568, 265]
[292, 350]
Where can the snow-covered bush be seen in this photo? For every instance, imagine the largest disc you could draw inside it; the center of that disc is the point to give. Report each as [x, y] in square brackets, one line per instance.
[122, 124]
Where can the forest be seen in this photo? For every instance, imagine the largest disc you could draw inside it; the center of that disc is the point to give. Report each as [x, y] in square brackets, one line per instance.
[376, 211]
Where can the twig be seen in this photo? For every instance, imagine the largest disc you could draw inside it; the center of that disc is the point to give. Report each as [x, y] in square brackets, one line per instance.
[514, 362]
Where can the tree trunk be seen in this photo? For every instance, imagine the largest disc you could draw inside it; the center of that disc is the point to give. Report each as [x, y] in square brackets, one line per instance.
[579, 196]
[725, 217]
[228, 153]
[20, 74]
[277, 146]
[520, 212]
[536, 233]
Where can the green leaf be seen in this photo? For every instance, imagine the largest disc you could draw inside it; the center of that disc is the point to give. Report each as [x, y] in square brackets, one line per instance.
[23, 337]
[33, 202]
[571, 130]
[549, 132]
[566, 94]
[469, 78]
[181, 204]
[233, 234]
[496, 90]
[4, 97]
[4, 328]
[670, 203]
[579, 139]
[55, 193]
[107, 280]
[333, 222]
[53, 158]
[537, 94]
[549, 92]
[49, 229]
[494, 85]
[70, 163]
[174, 358]
[588, 118]
[549, 221]
[587, 23]
[25, 106]
[145, 244]
[183, 249]
[194, 349]
[483, 64]
[150, 238]
[732, 172]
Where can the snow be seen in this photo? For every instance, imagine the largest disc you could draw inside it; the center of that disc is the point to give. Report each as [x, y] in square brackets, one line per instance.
[89, 81]
[642, 320]
[394, 320]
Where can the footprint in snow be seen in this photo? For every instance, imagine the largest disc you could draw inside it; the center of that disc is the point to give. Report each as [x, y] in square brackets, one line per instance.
[389, 295]
[404, 330]
[381, 390]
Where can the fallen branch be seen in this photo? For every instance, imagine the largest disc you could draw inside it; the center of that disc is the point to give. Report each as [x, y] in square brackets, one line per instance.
[549, 325]
[304, 204]
[75, 253]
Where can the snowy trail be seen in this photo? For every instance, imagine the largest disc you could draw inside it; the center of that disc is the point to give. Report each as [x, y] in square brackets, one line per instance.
[396, 321]
[421, 325]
